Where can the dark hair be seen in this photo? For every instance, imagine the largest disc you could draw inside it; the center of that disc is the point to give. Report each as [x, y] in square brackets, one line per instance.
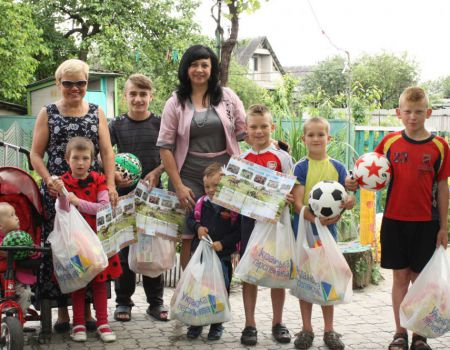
[184, 90]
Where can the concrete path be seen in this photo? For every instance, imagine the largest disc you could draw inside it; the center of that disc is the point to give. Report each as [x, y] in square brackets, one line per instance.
[366, 323]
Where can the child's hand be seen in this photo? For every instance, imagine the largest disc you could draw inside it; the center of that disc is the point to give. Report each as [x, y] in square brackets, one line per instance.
[122, 182]
[290, 198]
[202, 232]
[351, 183]
[73, 199]
[329, 221]
[217, 246]
[349, 203]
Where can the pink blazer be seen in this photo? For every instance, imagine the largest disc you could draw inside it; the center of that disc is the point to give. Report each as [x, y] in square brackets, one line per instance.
[176, 123]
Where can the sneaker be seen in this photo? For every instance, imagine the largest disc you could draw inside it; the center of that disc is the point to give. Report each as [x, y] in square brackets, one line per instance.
[215, 331]
[194, 332]
[249, 336]
[106, 334]
[78, 333]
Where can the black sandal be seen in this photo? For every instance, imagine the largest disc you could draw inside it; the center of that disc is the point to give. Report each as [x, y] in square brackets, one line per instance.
[400, 342]
[122, 313]
[304, 340]
[419, 343]
[333, 340]
[159, 312]
[281, 333]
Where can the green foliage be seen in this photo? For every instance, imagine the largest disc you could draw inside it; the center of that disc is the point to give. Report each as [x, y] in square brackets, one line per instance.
[389, 73]
[148, 37]
[376, 276]
[20, 41]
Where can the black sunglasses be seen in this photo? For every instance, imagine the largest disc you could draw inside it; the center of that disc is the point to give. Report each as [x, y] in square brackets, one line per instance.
[70, 84]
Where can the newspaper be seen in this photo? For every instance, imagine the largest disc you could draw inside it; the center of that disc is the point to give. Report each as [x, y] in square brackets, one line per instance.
[158, 212]
[253, 190]
[116, 227]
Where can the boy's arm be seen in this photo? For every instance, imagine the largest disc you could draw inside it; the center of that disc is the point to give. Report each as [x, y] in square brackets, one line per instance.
[299, 192]
[442, 204]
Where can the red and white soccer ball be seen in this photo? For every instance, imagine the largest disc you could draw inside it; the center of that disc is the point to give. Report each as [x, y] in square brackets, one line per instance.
[373, 171]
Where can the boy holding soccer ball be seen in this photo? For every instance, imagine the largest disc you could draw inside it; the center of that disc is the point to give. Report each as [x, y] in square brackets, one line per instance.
[315, 167]
[415, 215]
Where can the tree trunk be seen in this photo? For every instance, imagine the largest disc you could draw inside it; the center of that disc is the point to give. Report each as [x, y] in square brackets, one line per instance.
[229, 44]
[361, 264]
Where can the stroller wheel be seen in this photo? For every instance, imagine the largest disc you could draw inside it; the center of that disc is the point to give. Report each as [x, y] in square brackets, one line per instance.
[11, 334]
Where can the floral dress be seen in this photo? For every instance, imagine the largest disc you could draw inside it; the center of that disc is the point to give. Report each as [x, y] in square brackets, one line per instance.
[61, 129]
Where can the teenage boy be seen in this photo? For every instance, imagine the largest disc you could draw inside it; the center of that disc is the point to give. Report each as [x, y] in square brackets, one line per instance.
[136, 132]
[415, 215]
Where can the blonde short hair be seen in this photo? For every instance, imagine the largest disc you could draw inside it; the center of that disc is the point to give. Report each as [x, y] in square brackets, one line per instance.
[80, 143]
[413, 94]
[213, 169]
[141, 81]
[318, 120]
[259, 110]
[71, 66]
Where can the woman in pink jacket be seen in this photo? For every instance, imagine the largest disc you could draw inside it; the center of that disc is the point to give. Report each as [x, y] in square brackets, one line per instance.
[202, 123]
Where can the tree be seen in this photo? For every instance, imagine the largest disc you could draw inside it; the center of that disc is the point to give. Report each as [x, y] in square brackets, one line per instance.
[328, 78]
[235, 8]
[120, 33]
[20, 41]
[389, 73]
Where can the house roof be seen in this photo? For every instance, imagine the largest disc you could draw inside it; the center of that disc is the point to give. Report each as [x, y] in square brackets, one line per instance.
[13, 107]
[246, 51]
[96, 73]
[298, 71]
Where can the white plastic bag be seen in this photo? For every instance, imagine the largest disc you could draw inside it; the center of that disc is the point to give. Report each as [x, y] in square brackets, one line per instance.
[324, 276]
[201, 297]
[426, 307]
[269, 259]
[78, 255]
[152, 255]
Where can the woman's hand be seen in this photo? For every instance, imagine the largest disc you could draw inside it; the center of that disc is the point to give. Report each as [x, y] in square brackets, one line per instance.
[186, 197]
[113, 196]
[51, 188]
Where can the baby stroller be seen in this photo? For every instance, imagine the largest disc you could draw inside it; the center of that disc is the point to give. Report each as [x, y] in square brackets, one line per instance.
[19, 189]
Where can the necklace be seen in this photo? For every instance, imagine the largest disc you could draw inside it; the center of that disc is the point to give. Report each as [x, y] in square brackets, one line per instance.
[201, 123]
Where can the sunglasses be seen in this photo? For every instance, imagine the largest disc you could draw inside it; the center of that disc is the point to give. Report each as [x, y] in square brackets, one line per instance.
[70, 84]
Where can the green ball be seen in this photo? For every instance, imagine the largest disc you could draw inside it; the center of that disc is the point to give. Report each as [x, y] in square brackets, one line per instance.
[129, 165]
[18, 238]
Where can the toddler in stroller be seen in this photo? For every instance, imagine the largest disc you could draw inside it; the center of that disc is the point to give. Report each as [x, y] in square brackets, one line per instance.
[25, 276]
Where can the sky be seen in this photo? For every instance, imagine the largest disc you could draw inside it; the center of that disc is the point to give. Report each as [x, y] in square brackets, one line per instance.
[294, 29]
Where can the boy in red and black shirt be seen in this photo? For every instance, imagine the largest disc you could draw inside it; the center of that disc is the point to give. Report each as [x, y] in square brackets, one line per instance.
[259, 128]
[415, 216]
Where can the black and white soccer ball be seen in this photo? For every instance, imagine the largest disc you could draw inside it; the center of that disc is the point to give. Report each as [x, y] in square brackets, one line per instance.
[326, 197]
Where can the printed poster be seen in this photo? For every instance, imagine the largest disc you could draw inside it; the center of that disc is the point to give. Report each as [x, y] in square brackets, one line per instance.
[253, 190]
[116, 227]
[158, 212]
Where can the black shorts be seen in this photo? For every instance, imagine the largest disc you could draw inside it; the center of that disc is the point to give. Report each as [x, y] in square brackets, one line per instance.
[247, 226]
[407, 244]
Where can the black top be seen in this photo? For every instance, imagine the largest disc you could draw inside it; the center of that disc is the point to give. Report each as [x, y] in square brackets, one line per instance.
[218, 222]
[139, 138]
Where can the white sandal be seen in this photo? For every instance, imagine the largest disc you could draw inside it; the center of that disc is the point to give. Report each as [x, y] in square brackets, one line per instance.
[106, 334]
[78, 333]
